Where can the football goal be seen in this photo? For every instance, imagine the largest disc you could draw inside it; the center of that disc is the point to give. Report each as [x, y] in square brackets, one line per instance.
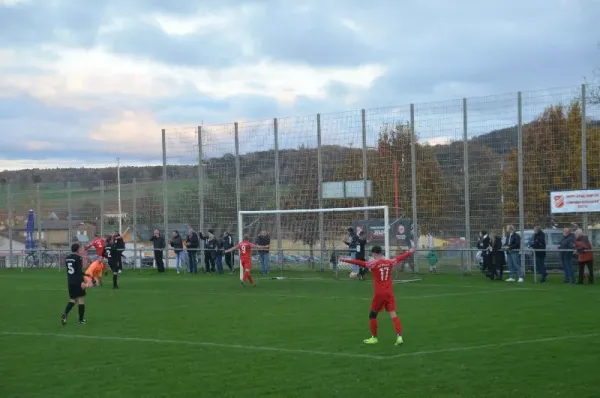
[305, 239]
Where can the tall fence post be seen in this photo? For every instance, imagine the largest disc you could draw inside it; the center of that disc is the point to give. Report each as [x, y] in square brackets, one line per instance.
[320, 191]
[413, 172]
[467, 183]
[10, 223]
[584, 177]
[200, 191]
[39, 219]
[520, 174]
[70, 211]
[363, 117]
[165, 194]
[136, 257]
[102, 208]
[278, 196]
[238, 184]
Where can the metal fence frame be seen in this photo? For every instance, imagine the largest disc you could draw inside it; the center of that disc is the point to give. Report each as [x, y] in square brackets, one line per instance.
[318, 134]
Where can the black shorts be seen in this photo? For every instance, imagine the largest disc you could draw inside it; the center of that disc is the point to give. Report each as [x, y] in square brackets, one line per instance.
[75, 291]
[114, 266]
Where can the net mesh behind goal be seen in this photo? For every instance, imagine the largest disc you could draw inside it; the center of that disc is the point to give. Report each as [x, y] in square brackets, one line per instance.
[315, 239]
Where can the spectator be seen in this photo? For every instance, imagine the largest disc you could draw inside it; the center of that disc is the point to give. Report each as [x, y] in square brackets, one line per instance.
[484, 244]
[512, 244]
[177, 245]
[538, 243]
[193, 244]
[334, 259]
[352, 242]
[118, 240]
[159, 245]
[219, 256]
[361, 249]
[210, 248]
[498, 259]
[567, 247]
[264, 239]
[432, 259]
[585, 256]
[226, 244]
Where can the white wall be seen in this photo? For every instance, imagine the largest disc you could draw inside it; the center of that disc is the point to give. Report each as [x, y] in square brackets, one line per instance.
[5, 246]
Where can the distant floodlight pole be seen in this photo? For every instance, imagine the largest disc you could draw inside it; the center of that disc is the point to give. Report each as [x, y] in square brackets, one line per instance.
[119, 195]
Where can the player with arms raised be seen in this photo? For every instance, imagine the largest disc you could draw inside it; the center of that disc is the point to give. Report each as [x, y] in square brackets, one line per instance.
[245, 247]
[383, 297]
[99, 244]
[76, 284]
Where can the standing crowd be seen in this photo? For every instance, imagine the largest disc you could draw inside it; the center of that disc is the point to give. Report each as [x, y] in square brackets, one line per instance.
[217, 252]
[500, 251]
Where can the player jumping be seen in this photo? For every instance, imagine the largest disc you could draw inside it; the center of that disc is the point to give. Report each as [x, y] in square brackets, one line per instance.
[113, 253]
[76, 284]
[245, 247]
[383, 296]
[93, 275]
[99, 244]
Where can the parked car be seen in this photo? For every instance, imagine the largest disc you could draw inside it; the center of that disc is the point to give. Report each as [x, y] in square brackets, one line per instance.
[553, 238]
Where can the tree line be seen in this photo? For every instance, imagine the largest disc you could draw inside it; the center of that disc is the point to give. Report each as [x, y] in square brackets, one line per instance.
[552, 161]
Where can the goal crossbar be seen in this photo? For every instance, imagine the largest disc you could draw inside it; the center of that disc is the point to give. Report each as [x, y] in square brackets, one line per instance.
[386, 219]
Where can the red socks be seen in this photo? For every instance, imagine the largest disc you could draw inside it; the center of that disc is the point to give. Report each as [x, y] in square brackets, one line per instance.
[397, 325]
[373, 324]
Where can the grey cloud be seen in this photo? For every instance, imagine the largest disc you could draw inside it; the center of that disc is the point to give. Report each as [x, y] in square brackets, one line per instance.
[149, 41]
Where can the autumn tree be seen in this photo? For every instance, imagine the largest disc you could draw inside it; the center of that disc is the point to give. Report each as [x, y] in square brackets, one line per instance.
[551, 162]
[434, 191]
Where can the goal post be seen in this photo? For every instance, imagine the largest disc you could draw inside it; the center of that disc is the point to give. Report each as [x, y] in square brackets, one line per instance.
[293, 219]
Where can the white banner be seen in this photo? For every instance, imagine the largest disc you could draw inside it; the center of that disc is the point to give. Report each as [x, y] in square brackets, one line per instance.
[584, 201]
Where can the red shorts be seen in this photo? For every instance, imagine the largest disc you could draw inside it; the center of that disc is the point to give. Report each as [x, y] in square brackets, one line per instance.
[382, 301]
[246, 265]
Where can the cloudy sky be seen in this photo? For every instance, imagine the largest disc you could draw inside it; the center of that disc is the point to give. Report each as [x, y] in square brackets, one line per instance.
[85, 81]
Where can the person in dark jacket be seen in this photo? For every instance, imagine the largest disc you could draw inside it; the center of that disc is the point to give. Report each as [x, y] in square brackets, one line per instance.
[361, 250]
[263, 239]
[226, 244]
[498, 259]
[585, 256]
[512, 245]
[192, 245]
[159, 245]
[210, 251]
[567, 247]
[352, 242]
[484, 244]
[177, 245]
[120, 243]
[219, 255]
[538, 243]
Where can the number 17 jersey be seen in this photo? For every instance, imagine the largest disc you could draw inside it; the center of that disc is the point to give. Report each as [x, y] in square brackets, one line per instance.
[381, 270]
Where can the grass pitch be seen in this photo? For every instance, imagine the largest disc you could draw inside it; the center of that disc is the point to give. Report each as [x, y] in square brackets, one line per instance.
[206, 336]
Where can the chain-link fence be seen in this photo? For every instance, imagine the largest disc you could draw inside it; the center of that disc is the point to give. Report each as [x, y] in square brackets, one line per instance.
[447, 171]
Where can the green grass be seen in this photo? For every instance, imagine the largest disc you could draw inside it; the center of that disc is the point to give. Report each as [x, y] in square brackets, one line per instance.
[206, 336]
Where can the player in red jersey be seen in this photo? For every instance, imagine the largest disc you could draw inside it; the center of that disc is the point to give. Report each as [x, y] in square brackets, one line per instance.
[383, 295]
[245, 247]
[99, 244]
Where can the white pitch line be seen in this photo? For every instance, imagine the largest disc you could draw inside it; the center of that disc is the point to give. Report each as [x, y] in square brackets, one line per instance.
[494, 345]
[196, 343]
[305, 352]
[294, 296]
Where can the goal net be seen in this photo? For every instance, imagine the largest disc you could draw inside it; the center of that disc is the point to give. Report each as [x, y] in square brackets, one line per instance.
[314, 239]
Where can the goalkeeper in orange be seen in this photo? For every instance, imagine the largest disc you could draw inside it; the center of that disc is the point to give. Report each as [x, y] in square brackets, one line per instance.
[93, 275]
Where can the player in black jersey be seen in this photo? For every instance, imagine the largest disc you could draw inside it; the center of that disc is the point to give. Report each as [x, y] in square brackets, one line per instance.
[113, 253]
[76, 284]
